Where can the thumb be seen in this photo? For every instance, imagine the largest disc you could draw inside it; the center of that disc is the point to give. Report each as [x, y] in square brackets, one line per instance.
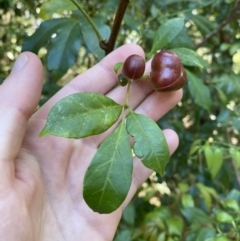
[19, 96]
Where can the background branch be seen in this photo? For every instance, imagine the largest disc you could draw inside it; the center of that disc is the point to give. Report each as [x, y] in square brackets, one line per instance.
[109, 45]
[225, 22]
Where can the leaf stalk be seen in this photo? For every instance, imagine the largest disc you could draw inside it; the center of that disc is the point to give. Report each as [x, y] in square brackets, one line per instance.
[100, 38]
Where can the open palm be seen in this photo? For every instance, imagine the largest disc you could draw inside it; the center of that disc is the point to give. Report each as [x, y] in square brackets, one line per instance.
[41, 178]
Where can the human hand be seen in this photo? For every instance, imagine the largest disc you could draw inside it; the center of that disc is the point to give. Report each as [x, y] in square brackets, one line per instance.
[41, 179]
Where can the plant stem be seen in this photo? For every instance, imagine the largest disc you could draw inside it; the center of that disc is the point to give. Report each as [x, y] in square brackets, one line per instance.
[127, 94]
[122, 7]
[100, 38]
[231, 16]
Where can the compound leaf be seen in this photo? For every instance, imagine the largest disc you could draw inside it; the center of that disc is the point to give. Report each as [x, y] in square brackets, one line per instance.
[42, 35]
[81, 115]
[199, 91]
[64, 48]
[108, 178]
[150, 143]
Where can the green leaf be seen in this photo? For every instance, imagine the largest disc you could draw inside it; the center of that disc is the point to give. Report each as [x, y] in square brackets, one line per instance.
[232, 204]
[150, 143]
[207, 193]
[199, 91]
[214, 160]
[223, 217]
[222, 96]
[217, 162]
[90, 37]
[235, 154]
[166, 33]
[64, 48]
[129, 214]
[55, 6]
[195, 146]
[205, 233]
[42, 35]
[175, 225]
[188, 56]
[187, 201]
[81, 115]
[195, 215]
[118, 66]
[108, 178]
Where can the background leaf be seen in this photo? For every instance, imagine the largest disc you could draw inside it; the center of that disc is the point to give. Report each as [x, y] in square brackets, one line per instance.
[90, 37]
[166, 33]
[150, 143]
[108, 178]
[188, 56]
[199, 91]
[43, 34]
[64, 48]
[81, 115]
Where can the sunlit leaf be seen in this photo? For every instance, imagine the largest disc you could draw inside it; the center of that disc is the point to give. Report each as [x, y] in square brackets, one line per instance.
[166, 33]
[214, 160]
[55, 6]
[187, 200]
[108, 178]
[217, 162]
[81, 115]
[188, 56]
[175, 225]
[150, 143]
[223, 217]
[232, 204]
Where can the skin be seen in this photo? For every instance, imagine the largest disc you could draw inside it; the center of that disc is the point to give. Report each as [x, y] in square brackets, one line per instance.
[41, 178]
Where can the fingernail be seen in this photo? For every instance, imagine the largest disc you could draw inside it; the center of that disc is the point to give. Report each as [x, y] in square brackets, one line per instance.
[20, 63]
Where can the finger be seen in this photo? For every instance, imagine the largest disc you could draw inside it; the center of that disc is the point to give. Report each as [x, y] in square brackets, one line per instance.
[100, 79]
[141, 173]
[19, 96]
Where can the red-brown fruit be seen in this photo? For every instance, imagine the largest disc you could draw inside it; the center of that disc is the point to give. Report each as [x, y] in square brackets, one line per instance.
[133, 67]
[167, 73]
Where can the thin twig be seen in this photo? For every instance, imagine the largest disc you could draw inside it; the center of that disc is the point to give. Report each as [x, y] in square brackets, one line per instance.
[225, 22]
[100, 38]
[109, 45]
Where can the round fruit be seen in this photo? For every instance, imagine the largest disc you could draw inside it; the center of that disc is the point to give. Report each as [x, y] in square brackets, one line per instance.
[133, 67]
[167, 73]
[122, 80]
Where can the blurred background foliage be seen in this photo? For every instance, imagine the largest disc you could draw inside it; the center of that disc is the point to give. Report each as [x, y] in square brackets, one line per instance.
[198, 198]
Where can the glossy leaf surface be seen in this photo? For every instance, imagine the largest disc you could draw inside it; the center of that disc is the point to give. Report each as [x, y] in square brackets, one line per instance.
[150, 143]
[81, 115]
[166, 33]
[108, 178]
[188, 56]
